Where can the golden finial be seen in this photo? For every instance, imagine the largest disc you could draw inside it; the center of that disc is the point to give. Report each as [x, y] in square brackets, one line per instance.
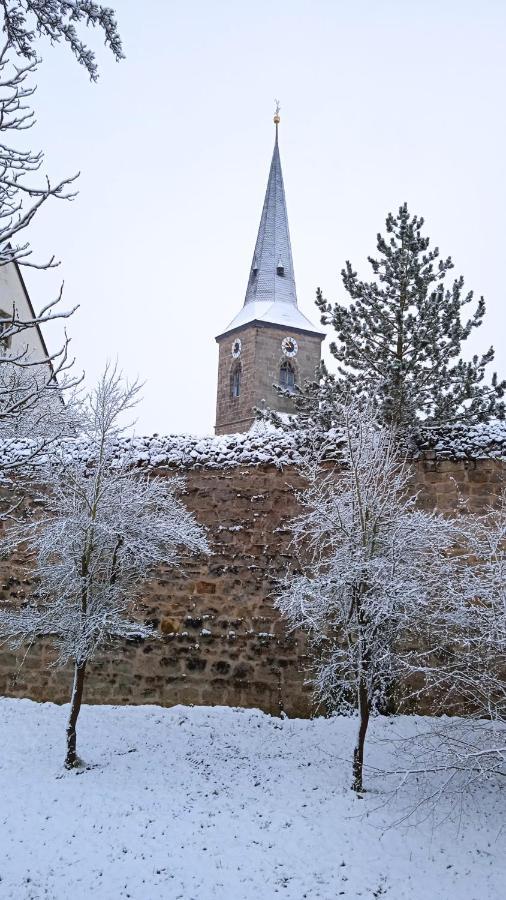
[276, 114]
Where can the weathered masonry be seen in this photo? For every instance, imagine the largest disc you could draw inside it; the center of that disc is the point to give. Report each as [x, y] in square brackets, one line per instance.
[220, 641]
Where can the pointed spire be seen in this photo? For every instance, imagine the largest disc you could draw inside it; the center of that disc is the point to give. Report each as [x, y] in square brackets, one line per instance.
[271, 275]
[271, 298]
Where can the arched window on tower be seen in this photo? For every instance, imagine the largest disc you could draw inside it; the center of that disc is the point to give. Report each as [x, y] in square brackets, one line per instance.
[235, 380]
[287, 376]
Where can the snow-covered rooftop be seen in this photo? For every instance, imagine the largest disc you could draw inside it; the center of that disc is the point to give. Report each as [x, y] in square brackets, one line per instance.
[274, 313]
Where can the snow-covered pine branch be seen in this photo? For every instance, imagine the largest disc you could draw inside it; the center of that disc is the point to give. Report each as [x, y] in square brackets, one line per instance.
[372, 566]
[25, 21]
[105, 527]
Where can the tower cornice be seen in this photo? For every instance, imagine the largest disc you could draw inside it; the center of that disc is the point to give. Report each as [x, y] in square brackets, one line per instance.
[258, 323]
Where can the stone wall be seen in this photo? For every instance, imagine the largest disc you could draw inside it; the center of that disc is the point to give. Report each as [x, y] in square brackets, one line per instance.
[220, 640]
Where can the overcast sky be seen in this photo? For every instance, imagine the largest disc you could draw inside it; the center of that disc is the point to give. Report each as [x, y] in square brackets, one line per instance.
[382, 101]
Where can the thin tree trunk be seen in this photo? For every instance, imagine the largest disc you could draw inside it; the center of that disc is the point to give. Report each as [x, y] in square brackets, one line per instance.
[358, 753]
[72, 760]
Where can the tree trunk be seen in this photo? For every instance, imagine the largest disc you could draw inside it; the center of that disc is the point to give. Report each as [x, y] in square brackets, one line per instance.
[72, 760]
[358, 753]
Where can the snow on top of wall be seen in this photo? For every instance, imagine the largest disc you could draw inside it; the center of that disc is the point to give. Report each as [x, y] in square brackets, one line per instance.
[183, 451]
[261, 445]
[487, 441]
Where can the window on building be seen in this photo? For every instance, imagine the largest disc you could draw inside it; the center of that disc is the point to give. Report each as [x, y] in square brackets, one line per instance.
[5, 325]
[287, 376]
[235, 381]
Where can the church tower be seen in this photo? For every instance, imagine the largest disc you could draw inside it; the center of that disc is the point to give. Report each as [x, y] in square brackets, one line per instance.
[269, 341]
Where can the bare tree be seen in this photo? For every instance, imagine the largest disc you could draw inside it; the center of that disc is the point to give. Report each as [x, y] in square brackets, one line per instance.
[20, 198]
[31, 387]
[468, 676]
[25, 381]
[104, 530]
[372, 566]
[32, 384]
[447, 758]
[24, 23]
[478, 671]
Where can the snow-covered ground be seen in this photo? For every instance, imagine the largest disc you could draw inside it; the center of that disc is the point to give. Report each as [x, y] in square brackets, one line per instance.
[197, 803]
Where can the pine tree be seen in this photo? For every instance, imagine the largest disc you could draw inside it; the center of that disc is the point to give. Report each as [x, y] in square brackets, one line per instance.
[400, 338]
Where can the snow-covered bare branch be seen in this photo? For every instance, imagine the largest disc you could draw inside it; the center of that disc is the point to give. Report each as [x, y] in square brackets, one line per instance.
[372, 566]
[468, 675]
[33, 384]
[105, 527]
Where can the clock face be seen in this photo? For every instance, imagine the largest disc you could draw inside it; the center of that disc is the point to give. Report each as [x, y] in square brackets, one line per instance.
[289, 346]
[236, 348]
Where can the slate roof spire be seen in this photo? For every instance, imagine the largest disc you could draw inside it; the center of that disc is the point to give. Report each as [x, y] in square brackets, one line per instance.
[271, 297]
[271, 275]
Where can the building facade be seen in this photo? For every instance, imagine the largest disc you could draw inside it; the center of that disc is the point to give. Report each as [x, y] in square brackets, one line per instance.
[25, 344]
[269, 342]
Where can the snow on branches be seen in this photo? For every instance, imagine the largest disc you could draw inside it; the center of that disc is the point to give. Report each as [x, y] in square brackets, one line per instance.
[468, 673]
[32, 384]
[103, 531]
[26, 20]
[372, 566]
[400, 336]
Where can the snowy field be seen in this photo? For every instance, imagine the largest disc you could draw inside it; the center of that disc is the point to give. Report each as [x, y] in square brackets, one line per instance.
[198, 803]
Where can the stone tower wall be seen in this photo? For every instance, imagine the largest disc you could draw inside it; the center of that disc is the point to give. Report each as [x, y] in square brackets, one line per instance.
[235, 413]
[261, 358]
[219, 639]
